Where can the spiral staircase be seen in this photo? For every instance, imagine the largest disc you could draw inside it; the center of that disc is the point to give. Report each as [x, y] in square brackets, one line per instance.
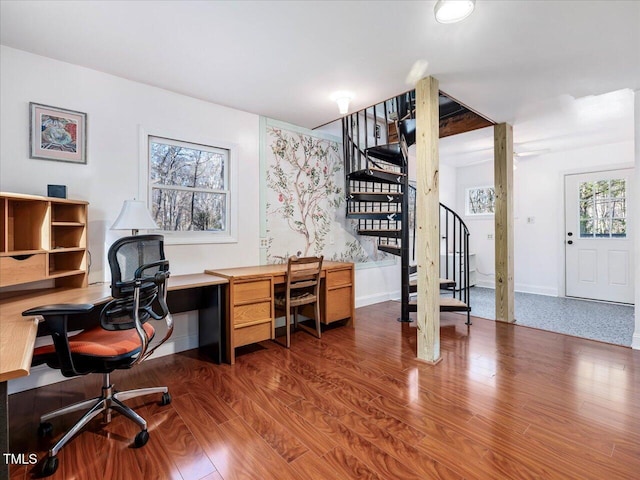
[381, 199]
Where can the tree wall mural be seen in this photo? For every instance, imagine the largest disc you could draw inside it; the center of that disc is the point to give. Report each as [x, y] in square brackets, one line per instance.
[305, 200]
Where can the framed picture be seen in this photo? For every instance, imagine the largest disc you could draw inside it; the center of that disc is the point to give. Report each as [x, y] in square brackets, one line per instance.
[57, 134]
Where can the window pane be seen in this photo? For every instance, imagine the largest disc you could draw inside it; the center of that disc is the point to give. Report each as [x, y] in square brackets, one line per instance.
[586, 228]
[603, 227]
[619, 228]
[186, 167]
[602, 189]
[586, 191]
[618, 188]
[586, 209]
[481, 200]
[176, 210]
[603, 209]
[619, 208]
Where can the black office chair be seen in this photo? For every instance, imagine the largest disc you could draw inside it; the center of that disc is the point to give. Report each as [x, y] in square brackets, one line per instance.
[302, 288]
[139, 273]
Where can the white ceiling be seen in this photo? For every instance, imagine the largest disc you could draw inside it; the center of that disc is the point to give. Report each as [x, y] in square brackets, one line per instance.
[510, 60]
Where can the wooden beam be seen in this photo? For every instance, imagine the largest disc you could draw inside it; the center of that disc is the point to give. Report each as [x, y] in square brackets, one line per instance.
[465, 122]
[503, 178]
[427, 220]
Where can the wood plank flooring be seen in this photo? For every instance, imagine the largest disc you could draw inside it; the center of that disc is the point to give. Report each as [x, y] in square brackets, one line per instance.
[506, 402]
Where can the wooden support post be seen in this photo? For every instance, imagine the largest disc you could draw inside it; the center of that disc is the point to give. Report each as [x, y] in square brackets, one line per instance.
[427, 220]
[503, 177]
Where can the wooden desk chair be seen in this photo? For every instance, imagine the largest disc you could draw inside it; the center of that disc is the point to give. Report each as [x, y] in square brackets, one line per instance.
[139, 273]
[302, 288]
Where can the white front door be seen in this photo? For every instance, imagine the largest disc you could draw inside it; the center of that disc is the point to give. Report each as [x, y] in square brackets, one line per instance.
[598, 236]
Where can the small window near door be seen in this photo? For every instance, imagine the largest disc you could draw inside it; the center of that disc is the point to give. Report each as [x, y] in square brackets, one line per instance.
[480, 201]
[603, 209]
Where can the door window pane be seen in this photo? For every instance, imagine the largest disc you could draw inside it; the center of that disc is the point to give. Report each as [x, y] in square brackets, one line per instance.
[603, 209]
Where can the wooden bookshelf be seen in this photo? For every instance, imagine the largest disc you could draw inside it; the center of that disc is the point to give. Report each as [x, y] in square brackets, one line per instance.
[42, 238]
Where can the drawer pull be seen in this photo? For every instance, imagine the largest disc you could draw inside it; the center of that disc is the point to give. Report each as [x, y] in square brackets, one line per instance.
[22, 257]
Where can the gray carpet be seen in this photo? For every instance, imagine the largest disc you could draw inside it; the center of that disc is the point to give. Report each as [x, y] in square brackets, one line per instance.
[605, 322]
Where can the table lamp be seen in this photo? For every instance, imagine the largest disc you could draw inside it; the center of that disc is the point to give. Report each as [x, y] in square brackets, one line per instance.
[135, 216]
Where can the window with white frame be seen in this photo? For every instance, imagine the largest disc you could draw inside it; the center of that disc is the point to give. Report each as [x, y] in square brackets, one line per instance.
[480, 201]
[189, 186]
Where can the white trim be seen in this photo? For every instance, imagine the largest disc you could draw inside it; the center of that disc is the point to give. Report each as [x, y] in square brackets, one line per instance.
[144, 187]
[365, 300]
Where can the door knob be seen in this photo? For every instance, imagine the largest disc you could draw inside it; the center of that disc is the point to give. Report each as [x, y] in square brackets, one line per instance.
[570, 234]
[570, 242]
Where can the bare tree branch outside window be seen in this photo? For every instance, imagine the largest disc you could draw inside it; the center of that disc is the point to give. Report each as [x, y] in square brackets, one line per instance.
[481, 201]
[603, 209]
[189, 185]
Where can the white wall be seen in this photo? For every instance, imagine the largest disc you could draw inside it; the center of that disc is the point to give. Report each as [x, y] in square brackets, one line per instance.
[538, 193]
[116, 111]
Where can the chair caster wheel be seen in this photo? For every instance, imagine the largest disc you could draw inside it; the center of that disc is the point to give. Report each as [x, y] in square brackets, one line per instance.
[45, 429]
[49, 466]
[166, 399]
[141, 439]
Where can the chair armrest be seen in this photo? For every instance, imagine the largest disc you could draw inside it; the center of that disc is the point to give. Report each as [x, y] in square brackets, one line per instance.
[147, 266]
[55, 316]
[60, 309]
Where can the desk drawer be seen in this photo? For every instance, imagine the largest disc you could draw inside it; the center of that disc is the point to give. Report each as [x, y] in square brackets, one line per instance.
[338, 304]
[22, 268]
[251, 312]
[252, 334]
[251, 290]
[338, 277]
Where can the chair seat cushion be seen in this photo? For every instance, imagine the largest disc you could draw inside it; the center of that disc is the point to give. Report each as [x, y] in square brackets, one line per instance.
[97, 342]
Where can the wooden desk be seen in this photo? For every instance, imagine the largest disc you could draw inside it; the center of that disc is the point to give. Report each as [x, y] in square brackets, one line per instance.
[249, 304]
[199, 291]
[17, 333]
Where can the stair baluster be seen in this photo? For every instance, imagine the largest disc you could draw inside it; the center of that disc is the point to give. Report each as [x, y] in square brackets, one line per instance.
[378, 197]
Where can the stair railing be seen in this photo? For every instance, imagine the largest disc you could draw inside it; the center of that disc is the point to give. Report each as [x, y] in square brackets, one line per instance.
[454, 245]
[364, 129]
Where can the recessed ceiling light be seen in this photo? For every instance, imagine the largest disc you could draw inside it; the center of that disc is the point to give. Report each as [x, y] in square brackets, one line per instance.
[451, 11]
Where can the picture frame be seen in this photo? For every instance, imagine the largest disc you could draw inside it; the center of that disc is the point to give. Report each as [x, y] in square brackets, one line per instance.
[57, 134]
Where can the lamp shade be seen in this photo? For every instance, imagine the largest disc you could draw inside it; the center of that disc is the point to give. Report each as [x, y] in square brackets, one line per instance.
[134, 216]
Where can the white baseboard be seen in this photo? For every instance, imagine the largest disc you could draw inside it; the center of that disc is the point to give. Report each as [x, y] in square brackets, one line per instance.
[536, 289]
[524, 288]
[365, 300]
[635, 341]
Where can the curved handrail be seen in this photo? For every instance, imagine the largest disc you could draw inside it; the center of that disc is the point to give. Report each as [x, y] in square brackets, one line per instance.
[458, 267]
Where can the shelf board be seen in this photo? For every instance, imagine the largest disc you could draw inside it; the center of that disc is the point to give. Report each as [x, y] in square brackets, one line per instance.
[67, 224]
[65, 273]
[66, 249]
[14, 253]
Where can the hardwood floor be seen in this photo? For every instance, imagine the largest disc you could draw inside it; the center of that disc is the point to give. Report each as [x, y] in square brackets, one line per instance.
[506, 402]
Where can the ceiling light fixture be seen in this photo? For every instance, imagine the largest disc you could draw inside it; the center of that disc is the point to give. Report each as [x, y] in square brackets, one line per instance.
[342, 98]
[452, 11]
